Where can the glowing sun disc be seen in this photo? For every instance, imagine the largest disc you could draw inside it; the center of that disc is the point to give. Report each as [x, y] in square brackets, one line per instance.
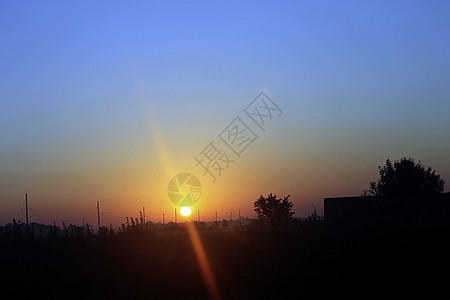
[185, 211]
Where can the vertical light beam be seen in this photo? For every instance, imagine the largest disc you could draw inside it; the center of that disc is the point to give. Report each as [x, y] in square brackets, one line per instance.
[203, 261]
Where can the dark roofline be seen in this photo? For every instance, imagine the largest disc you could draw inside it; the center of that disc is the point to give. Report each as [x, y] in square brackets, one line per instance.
[356, 197]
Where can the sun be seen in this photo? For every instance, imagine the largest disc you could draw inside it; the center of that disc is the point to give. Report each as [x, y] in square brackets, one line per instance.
[185, 211]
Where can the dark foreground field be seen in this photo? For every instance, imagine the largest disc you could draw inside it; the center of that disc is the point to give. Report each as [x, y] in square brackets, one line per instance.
[305, 261]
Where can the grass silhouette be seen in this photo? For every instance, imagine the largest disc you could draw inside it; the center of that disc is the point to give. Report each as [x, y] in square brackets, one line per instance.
[148, 260]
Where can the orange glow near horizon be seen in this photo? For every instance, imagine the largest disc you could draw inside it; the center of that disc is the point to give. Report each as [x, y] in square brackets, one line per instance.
[135, 173]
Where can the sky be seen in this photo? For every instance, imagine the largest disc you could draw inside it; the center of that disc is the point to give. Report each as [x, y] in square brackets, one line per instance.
[108, 100]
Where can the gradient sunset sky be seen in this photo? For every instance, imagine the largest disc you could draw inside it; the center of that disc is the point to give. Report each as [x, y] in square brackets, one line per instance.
[107, 101]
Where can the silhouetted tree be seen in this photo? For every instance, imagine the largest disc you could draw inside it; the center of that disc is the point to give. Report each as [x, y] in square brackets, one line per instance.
[275, 211]
[405, 177]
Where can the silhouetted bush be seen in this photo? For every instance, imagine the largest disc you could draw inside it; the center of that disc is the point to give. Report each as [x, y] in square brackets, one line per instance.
[276, 211]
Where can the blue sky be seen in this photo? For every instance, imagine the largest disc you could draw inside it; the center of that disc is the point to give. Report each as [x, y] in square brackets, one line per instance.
[359, 82]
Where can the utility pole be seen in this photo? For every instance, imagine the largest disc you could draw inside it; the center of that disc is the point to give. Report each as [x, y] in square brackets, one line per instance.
[83, 222]
[176, 215]
[98, 214]
[216, 215]
[163, 218]
[26, 207]
[143, 213]
[198, 215]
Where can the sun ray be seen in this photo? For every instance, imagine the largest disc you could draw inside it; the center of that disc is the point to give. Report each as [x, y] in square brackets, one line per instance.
[202, 259]
[159, 142]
